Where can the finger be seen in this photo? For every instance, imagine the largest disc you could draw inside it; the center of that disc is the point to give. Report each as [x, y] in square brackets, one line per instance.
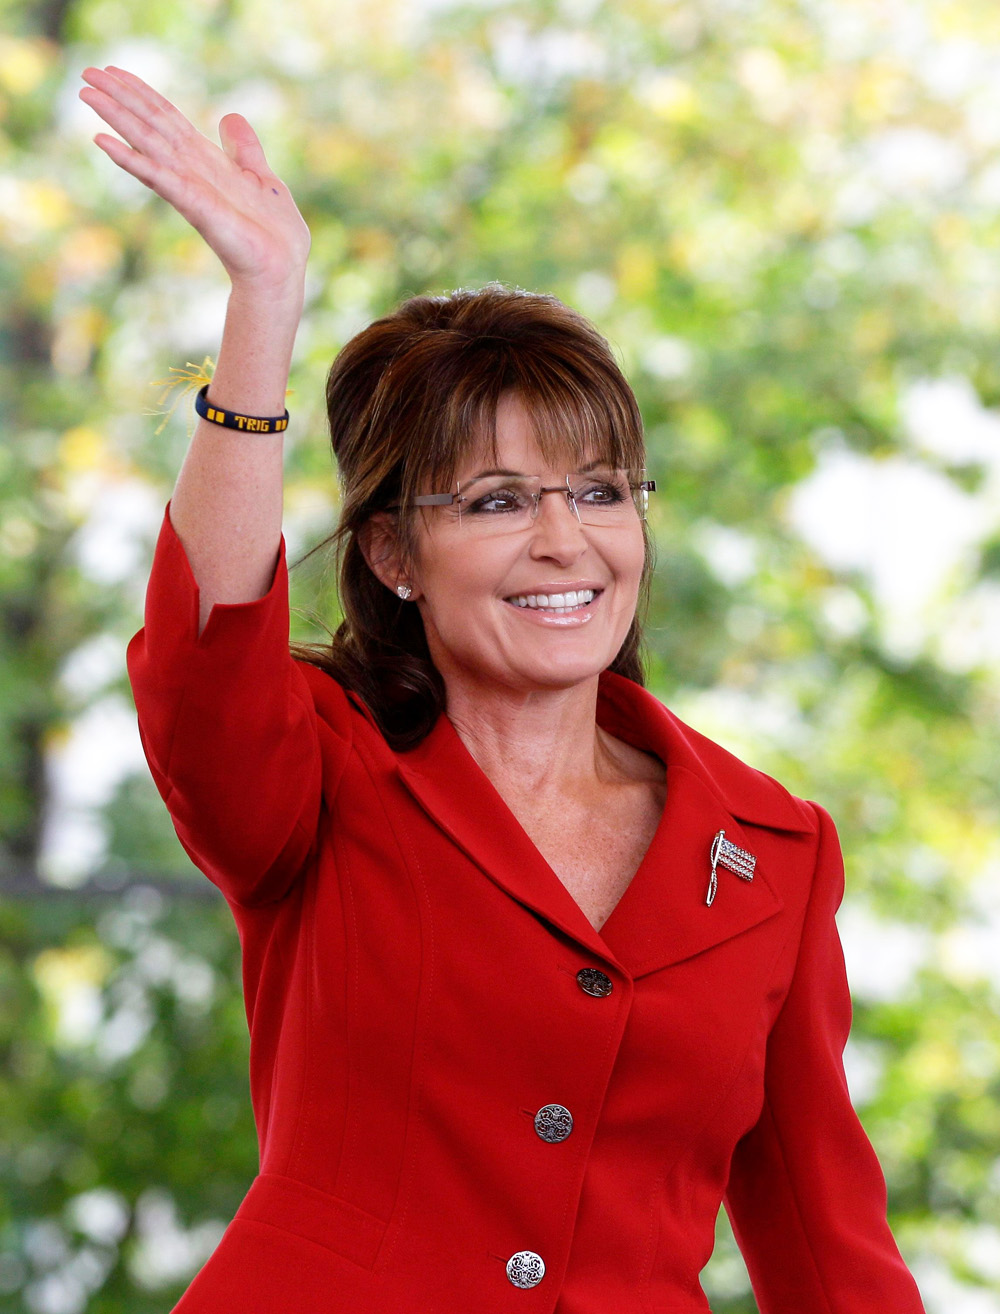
[242, 145]
[121, 84]
[140, 100]
[134, 162]
[143, 88]
[135, 130]
[105, 77]
[158, 177]
[189, 197]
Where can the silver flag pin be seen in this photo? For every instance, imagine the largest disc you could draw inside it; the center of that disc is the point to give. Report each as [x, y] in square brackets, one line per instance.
[726, 854]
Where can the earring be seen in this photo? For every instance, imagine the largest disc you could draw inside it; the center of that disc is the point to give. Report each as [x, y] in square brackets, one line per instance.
[404, 591]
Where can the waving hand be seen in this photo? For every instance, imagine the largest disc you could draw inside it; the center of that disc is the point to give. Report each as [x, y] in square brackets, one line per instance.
[226, 506]
[243, 211]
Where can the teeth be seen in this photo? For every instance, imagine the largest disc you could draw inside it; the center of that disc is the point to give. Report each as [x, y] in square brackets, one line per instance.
[554, 601]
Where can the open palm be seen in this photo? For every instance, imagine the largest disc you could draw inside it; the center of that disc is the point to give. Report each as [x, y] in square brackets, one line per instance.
[243, 211]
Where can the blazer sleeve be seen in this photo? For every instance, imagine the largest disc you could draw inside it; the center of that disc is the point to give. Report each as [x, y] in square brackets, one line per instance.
[806, 1195]
[229, 728]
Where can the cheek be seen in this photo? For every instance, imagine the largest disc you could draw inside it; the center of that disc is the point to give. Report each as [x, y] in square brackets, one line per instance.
[455, 579]
[630, 559]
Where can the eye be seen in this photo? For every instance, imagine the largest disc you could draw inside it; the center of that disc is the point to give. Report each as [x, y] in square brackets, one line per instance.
[602, 492]
[495, 502]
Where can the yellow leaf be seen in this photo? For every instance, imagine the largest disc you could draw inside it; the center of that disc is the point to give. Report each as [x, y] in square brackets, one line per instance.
[636, 268]
[23, 64]
[81, 448]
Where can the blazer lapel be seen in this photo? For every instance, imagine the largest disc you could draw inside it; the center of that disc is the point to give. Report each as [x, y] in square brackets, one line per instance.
[454, 791]
[662, 917]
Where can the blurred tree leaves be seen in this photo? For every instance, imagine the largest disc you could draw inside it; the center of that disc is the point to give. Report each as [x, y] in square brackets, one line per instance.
[784, 216]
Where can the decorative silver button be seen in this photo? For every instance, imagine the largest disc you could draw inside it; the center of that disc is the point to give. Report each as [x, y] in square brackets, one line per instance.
[553, 1122]
[594, 981]
[525, 1269]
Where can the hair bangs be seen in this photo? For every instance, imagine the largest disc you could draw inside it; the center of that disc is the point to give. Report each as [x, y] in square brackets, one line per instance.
[574, 419]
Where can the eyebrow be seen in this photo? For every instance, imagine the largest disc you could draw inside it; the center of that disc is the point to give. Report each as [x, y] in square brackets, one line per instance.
[519, 474]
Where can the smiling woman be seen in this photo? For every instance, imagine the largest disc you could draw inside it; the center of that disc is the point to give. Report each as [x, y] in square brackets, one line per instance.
[439, 394]
[537, 976]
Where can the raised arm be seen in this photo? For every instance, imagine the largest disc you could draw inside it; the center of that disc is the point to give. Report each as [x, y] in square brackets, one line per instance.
[226, 506]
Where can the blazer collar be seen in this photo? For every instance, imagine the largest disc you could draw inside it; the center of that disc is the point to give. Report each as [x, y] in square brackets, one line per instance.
[662, 917]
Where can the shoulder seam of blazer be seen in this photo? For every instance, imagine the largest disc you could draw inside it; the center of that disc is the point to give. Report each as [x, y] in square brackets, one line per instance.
[749, 794]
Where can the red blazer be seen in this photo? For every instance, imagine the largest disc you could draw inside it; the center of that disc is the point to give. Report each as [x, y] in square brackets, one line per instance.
[468, 1100]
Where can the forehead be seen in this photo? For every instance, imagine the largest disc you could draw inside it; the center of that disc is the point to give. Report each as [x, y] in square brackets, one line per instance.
[519, 446]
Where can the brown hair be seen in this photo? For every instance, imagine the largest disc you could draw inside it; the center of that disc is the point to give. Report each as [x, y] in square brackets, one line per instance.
[405, 397]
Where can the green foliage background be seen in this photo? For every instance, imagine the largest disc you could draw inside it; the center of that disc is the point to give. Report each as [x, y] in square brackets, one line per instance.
[783, 215]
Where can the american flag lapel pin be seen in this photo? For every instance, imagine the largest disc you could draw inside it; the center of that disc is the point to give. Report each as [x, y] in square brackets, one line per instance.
[726, 854]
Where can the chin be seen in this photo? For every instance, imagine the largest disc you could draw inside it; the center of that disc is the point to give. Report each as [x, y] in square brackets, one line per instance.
[564, 675]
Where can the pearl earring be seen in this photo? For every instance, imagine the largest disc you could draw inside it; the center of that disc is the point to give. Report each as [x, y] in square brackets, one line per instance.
[404, 591]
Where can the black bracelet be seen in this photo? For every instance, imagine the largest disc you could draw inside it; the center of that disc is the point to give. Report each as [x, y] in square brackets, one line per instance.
[234, 420]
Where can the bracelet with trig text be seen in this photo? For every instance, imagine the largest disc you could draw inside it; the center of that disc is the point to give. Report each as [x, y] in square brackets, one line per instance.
[234, 420]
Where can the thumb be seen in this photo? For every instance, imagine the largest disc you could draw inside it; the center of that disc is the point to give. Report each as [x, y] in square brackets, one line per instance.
[242, 144]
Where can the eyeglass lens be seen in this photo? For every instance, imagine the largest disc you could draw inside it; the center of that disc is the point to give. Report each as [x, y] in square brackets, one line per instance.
[502, 503]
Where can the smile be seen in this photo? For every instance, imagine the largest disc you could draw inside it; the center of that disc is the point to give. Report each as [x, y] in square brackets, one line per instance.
[555, 604]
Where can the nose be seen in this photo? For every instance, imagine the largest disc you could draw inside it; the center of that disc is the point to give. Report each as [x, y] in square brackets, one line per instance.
[556, 532]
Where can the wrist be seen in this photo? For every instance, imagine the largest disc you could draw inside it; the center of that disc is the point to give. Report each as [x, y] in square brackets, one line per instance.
[262, 321]
[278, 296]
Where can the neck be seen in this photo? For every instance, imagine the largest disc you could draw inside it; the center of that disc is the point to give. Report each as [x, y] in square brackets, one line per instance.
[538, 742]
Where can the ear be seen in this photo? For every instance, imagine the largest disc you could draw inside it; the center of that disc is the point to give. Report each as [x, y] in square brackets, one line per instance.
[380, 548]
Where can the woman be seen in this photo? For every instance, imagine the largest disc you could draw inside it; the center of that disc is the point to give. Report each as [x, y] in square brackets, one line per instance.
[536, 975]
